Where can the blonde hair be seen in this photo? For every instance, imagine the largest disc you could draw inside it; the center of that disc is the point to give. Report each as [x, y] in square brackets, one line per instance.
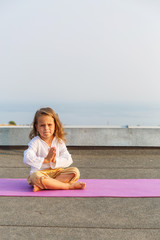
[59, 130]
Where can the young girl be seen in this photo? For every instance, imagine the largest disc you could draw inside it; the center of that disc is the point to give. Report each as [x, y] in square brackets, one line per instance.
[48, 156]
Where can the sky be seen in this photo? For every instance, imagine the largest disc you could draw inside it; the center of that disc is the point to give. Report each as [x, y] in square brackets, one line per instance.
[79, 51]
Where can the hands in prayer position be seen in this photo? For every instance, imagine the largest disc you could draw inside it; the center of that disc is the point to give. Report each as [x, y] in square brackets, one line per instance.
[51, 157]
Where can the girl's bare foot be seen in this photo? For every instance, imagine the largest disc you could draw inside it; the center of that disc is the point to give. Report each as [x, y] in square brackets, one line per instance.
[72, 186]
[36, 189]
[77, 185]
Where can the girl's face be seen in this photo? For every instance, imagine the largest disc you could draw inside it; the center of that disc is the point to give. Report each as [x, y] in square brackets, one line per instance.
[45, 127]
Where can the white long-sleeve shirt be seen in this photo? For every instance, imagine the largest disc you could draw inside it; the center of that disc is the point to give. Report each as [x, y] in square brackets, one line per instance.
[37, 151]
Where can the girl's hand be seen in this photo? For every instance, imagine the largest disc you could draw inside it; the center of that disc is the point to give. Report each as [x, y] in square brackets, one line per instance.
[51, 157]
[53, 160]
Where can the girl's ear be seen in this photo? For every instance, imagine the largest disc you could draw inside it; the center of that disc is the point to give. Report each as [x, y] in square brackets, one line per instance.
[55, 128]
[36, 128]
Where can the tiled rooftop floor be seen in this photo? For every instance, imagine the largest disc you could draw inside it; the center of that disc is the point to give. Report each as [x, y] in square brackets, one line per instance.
[84, 218]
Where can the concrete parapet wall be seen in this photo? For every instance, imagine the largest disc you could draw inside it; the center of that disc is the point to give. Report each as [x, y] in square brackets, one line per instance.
[89, 136]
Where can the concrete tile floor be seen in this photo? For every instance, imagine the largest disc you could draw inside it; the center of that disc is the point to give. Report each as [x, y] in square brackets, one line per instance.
[84, 218]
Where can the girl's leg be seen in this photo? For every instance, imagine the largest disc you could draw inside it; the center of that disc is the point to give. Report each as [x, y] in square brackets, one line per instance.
[56, 179]
[50, 183]
[67, 175]
[65, 178]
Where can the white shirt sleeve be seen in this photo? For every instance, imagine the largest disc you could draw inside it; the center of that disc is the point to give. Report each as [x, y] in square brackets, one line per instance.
[64, 159]
[30, 157]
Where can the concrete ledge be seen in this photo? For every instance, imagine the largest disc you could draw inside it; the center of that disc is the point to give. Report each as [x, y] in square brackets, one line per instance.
[129, 136]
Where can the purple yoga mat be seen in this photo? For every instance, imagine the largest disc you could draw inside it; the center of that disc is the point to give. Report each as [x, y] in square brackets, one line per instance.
[94, 188]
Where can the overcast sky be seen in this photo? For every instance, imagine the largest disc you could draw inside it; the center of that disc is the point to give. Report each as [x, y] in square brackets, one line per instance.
[80, 51]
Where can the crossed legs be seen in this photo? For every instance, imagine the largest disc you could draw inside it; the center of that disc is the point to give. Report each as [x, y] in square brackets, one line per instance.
[65, 181]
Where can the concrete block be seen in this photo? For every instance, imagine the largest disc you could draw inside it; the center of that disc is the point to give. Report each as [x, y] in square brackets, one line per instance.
[89, 136]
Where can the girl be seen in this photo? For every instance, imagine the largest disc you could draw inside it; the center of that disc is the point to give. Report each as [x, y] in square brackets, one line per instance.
[48, 156]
